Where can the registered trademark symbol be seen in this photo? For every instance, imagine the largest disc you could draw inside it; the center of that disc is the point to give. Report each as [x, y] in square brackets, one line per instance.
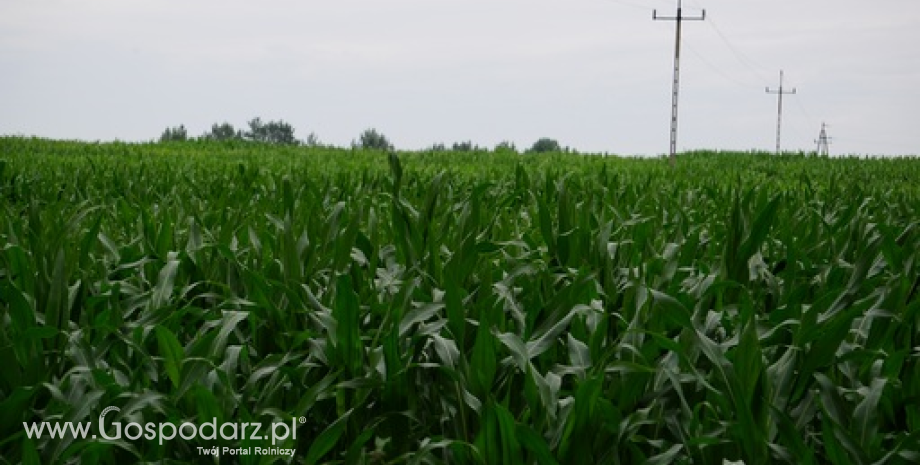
[303, 420]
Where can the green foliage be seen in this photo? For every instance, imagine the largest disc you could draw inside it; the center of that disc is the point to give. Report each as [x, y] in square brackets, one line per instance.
[271, 132]
[545, 145]
[461, 307]
[370, 139]
[312, 140]
[466, 146]
[506, 147]
[176, 134]
[223, 132]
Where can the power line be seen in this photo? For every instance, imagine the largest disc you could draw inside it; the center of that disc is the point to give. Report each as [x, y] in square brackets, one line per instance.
[676, 86]
[743, 59]
[636, 4]
[714, 67]
[630, 4]
[779, 114]
[804, 111]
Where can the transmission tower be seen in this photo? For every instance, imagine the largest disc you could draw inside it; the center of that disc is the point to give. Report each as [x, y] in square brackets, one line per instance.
[823, 142]
[779, 114]
[676, 87]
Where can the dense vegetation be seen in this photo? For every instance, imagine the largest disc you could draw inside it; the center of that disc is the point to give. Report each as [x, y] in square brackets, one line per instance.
[461, 307]
[282, 133]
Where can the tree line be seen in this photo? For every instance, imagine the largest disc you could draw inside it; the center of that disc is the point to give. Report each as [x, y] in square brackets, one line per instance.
[282, 133]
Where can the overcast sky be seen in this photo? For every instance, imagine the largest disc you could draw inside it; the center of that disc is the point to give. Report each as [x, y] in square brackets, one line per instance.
[593, 74]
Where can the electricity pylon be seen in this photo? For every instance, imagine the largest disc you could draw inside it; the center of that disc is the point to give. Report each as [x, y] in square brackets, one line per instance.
[823, 142]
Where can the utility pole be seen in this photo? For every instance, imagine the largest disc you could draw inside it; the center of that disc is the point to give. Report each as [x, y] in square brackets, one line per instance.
[823, 142]
[676, 88]
[779, 113]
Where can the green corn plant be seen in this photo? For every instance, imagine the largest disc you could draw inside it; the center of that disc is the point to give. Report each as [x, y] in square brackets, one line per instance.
[473, 307]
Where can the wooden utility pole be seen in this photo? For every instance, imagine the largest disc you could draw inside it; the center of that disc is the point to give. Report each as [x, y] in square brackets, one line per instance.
[676, 87]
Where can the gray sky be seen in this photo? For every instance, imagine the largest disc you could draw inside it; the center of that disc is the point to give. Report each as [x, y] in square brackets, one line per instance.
[593, 74]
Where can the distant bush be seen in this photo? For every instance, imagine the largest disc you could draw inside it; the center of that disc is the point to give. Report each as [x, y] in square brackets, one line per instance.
[505, 147]
[272, 132]
[177, 134]
[545, 145]
[222, 132]
[465, 147]
[371, 139]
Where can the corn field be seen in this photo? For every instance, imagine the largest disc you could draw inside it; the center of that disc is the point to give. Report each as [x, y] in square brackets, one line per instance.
[470, 308]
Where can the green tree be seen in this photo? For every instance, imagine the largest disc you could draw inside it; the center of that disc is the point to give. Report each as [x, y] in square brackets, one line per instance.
[313, 140]
[176, 134]
[545, 145]
[371, 139]
[465, 147]
[505, 146]
[271, 132]
[222, 132]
